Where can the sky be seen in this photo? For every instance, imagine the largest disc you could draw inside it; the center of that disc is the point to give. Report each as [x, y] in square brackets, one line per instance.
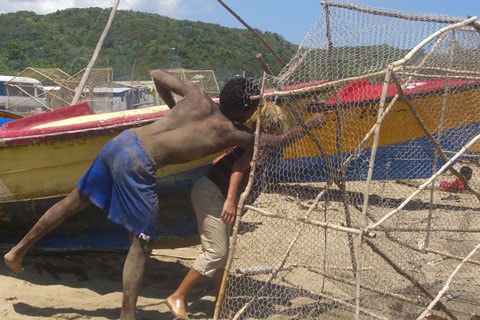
[290, 19]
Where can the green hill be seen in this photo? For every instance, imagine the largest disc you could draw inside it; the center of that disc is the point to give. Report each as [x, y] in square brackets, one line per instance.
[137, 42]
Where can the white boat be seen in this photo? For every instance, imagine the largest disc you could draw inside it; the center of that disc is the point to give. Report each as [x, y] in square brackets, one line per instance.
[22, 95]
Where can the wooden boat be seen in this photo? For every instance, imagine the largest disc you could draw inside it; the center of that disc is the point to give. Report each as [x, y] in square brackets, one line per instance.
[41, 158]
[403, 143]
[7, 116]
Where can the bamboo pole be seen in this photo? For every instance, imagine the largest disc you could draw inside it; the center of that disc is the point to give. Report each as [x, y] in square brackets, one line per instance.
[340, 182]
[255, 33]
[325, 225]
[412, 280]
[345, 303]
[395, 14]
[476, 26]
[427, 40]
[240, 207]
[282, 263]
[447, 255]
[366, 192]
[441, 127]
[434, 48]
[436, 300]
[265, 66]
[366, 287]
[83, 81]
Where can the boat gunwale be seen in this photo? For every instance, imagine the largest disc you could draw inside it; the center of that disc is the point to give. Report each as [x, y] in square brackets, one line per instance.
[326, 106]
[72, 134]
[41, 132]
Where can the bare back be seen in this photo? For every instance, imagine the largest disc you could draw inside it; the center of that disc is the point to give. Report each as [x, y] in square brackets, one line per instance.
[192, 129]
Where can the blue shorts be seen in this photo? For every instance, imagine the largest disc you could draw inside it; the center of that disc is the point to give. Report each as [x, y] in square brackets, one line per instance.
[121, 181]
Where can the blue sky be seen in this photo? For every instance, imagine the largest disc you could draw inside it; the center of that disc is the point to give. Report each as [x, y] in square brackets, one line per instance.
[291, 19]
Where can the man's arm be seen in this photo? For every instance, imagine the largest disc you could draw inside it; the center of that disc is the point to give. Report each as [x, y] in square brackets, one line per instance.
[244, 137]
[236, 177]
[166, 83]
[271, 141]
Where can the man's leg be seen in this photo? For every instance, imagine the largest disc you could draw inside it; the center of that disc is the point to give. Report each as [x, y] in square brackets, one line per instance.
[133, 271]
[50, 220]
[176, 301]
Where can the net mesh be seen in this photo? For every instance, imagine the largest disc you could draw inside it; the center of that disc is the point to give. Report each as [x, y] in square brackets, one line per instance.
[60, 87]
[204, 78]
[358, 219]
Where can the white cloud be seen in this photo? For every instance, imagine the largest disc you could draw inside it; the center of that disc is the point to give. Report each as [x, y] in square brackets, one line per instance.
[171, 8]
[39, 6]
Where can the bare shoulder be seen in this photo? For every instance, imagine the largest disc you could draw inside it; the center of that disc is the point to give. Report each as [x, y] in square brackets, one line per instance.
[164, 79]
[236, 135]
[196, 105]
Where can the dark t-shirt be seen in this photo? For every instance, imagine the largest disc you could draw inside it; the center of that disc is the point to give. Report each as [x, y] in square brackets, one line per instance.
[221, 171]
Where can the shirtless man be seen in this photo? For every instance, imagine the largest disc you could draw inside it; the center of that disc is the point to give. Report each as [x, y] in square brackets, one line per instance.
[215, 198]
[121, 180]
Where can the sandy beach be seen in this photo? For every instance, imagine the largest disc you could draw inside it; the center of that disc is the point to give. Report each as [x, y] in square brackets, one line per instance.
[88, 286]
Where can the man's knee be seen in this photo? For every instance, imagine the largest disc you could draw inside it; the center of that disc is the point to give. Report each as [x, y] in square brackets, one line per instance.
[145, 243]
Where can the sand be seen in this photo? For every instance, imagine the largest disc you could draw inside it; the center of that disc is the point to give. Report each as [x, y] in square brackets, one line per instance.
[88, 286]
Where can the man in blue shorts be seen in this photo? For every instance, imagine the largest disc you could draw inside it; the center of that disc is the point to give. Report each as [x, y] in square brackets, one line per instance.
[121, 179]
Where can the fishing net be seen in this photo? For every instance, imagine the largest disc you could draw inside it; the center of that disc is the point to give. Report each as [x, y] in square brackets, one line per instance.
[59, 87]
[204, 78]
[352, 220]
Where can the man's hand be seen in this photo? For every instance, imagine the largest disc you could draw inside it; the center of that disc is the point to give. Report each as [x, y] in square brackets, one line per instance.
[229, 211]
[316, 121]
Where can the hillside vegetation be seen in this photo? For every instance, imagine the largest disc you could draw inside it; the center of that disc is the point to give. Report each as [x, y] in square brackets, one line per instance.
[137, 42]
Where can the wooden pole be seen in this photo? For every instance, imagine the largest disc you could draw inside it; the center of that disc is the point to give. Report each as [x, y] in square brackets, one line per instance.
[412, 280]
[255, 33]
[240, 206]
[90, 65]
[265, 66]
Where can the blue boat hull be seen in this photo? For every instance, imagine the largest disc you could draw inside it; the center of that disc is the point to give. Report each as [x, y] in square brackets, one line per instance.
[91, 230]
[415, 158]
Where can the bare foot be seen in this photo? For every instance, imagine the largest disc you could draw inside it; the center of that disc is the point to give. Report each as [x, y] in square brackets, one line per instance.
[13, 262]
[177, 307]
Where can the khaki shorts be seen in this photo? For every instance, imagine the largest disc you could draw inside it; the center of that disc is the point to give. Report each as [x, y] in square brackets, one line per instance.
[207, 201]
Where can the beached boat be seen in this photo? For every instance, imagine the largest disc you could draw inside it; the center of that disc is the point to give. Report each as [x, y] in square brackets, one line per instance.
[22, 95]
[7, 116]
[41, 158]
[352, 112]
